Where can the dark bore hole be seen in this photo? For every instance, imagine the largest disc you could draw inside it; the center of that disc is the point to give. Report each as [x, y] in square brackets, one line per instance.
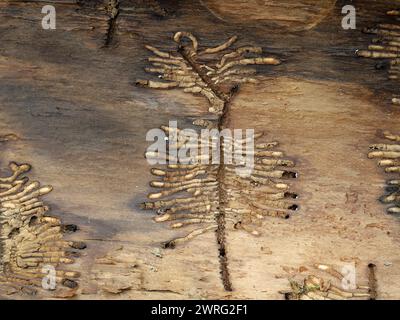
[234, 89]
[291, 195]
[13, 233]
[69, 283]
[392, 189]
[288, 296]
[382, 65]
[289, 175]
[78, 245]
[33, 221]
[70, 228]
[168, 245]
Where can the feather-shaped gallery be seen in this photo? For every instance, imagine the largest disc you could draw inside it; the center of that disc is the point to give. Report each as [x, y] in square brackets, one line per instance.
[205, 71]
[30, 239]
[208, 195]
[388, 155]
[192, 190]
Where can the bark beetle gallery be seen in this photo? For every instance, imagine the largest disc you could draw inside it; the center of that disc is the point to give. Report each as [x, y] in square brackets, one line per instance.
[389, 155]
[214, 195]
[30, 239]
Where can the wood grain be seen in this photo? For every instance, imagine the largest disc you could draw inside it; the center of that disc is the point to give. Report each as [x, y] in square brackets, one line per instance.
[81, 123]
[293, 15]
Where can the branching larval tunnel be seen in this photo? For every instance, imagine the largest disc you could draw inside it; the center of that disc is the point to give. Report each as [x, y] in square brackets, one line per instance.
[215, 196]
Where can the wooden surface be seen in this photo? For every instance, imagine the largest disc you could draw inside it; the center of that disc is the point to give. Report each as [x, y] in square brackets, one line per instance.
[293, 15]
[70, 98]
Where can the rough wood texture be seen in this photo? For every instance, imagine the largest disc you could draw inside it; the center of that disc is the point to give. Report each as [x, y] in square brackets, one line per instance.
[294, 15]
[69, 106]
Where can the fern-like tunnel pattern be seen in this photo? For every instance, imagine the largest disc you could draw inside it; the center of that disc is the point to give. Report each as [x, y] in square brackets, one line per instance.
[210, 190]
